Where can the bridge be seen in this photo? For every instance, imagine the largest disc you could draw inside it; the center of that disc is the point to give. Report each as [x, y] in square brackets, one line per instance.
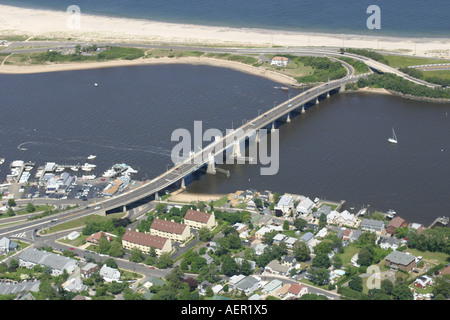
[201, 158]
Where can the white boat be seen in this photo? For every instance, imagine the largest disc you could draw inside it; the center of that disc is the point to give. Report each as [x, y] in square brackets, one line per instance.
[59, 169]
[91, 157]
[392, 212]
[393, 139]
[109, 173]
[74, 168]
[2, 160]
[88, 167]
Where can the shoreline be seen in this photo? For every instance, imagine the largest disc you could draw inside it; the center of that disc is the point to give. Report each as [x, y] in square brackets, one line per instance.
[238, 66]
[53, 24]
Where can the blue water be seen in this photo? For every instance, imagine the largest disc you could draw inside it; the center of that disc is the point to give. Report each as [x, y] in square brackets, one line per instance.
[409, 18]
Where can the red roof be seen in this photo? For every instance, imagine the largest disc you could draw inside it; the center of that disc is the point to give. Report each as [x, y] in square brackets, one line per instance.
[295, 288]
[168, 226]
[397, 222]
[144, 239]
[198, 216]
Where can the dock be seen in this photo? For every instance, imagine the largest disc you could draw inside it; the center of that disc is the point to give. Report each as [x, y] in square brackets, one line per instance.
[443, 221]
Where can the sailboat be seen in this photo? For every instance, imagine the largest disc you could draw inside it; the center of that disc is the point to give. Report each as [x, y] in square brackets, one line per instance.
[393, 139]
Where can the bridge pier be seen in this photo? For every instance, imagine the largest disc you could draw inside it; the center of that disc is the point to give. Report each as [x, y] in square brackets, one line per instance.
[288, 119]
[317, 100]
[157, 198]
[303, 109]
[211, 165]
[328, 94]
[183, 184]
[236, 149]
[273, 126]
[342, 88]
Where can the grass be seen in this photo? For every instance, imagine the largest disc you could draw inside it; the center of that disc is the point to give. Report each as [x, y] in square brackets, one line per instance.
[434, 257]
[443, 74]
[402, 61]
[348, 254]
[81, 222]
[293, 69]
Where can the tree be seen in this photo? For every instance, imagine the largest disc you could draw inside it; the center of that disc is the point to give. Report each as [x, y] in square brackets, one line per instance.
[103, 244]
[110, 262]
[115, 250]
[286, 225]
[321, 261]
[356, 283]
[337, 262]
[442, 286]
[229, 266]
[401, 232]
[205, 234]
[300, 224]
[319, 276]
[386, 286]
[366, 255]
[301, 251]
[402, 292]
[12, 203]
[30, 207]
[245, 267]
[164, 261]
[136, 255]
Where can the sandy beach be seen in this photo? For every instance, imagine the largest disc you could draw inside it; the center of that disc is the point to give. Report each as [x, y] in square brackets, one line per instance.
[48, 24]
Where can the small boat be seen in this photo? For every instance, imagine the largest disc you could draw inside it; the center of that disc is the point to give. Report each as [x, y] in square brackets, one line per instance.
[95, 84]
[74, 168]
[285, 88]
[2, 160]
[393, 139]
[88, 167]
[91, 157]
[392, 212]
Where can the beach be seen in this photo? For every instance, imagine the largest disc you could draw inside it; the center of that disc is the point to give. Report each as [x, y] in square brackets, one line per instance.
[48, 24]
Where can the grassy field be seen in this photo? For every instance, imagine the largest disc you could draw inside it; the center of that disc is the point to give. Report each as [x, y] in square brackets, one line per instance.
[401, 61]
[293, 69]
[77, 223]
[444, 74]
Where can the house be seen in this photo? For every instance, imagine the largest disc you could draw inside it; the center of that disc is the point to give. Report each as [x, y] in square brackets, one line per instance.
[324, 209]
[296, 290]
[197, 219]
[279, 237]
[109, 274]
[31, 257]
[89, 269]
[322, 233]
[259, 249]
[354, 235]
[341, 218]
[240, 227]
[418, 227]
[275, 267]
[272, 286]
[168, 229]
[95, 237]
[144, 242]
[308, 238]
[247, 284]
[305, 206]
[423, 281]
[389, 243]
[395, 223]
[265, 229]
[372, 225]
[7, 245]
[74, 284]
[251, 262]
[289, 261]
[290, 242]
[284, 205]
[400, 260]
[279, 61]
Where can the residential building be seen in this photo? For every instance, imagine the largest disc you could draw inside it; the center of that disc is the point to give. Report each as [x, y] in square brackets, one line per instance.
[74, 284]
[95, 237]
[400, 260]
[423, 281]
[308, 238]
[389, 243]
[272, 286]
[279, 61]
[109, 274]
[247, 284]
[275, 267]
[89, 269]
[305, 206]
[31, 257]
[341, 218]
[284, 205]
[265, 229]
[372, 225]
[395, 223]
[296, 290]
[240, 227]
[7, 245]
[177, 232]
[144, 242]
[197, 219]
[324, 209]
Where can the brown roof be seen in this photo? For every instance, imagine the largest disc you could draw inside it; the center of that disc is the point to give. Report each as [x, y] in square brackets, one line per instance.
[396, 222]
[278, 58]
[198, 216]
[295, 288]
[144, 239]
[168, 226]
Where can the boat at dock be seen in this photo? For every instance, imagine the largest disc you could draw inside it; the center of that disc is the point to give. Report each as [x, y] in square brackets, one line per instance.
[88, 167]
[74, 168]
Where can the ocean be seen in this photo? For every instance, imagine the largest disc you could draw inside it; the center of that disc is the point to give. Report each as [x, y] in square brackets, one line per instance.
[406, 18]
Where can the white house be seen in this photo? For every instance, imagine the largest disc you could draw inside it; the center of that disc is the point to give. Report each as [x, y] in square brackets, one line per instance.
[389, 243]
[279, 61]
[109, 274]
[285, 204]
[305, 206]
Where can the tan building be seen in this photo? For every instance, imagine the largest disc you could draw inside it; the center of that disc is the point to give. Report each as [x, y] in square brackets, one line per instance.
[144, 242]
[168, 229]
[197, 219]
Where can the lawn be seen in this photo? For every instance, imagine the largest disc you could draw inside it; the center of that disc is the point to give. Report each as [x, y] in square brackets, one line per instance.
[432, 257]
[402, 61]
[348, 254]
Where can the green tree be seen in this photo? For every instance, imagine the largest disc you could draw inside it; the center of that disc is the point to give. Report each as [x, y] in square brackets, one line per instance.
[205, 234]
[366, 256]
[321, 261]
[115, 249]
[229, 266]
[30, 208]
[164, 261]
[12, 203]
[103, 245]
[136, 255]
[337, 262]
[110, 262]
[386, 286]
[356, 283]
[300, 224]
[286, 225]
[402, 292]
[301, 251]
[319, 276]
